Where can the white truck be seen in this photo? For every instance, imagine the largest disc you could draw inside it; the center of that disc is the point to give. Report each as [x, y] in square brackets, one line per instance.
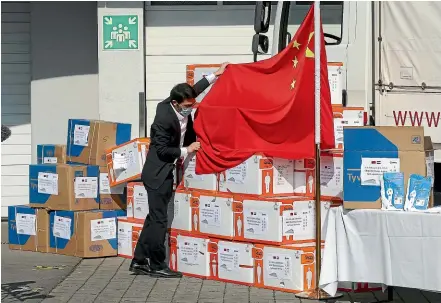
[389, 56]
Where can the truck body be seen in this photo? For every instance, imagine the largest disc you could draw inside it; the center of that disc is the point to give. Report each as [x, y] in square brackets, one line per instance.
[389, 54]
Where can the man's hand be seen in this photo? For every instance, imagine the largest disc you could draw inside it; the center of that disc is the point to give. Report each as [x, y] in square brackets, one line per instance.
[221, 69]
[195, 146]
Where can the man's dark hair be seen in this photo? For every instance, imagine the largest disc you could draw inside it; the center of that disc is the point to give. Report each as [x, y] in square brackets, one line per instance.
[181, 92]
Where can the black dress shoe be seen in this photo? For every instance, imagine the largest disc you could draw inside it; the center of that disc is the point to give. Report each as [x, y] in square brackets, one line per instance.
[165, 273]
[139, 269]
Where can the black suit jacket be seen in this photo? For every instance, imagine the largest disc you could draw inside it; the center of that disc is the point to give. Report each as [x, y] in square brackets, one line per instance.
[165, 136]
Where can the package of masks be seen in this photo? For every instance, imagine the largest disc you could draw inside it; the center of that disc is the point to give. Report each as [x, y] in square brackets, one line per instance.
[418, 193]
[392, 191]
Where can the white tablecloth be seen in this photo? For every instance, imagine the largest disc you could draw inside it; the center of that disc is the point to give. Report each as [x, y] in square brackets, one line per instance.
[374, 246]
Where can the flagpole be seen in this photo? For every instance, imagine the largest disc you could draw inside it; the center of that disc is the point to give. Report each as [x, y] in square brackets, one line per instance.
[317, 293]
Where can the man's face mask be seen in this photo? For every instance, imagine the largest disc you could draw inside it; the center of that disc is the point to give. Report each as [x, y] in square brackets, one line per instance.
[186, 107]
[185, 111]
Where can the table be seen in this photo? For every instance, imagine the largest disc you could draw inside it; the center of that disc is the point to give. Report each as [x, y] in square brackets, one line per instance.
[388, 247]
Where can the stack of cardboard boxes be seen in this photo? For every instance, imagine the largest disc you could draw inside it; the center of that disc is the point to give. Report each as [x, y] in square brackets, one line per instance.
[72, 209]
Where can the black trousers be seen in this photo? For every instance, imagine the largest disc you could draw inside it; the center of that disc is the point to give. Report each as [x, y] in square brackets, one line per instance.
[151, 240]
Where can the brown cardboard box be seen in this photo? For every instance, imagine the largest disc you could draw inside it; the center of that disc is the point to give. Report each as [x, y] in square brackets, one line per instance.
[85, 234]
[111, 197]
[63, 186]
[51, 154]
[88, 140]
[378, 146]
[28, 235]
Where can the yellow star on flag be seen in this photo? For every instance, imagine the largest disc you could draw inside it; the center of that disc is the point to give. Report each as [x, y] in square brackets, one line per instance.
[293, 83]
[295, 61]
[296, 44]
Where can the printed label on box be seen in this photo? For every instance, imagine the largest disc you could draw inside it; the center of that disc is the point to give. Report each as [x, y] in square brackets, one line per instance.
[190, 170]
[278, 266]
[50, 160]
[26, 224]
[330, 173]
[210, 214]
[189, 252]
[86, 187]
[140, 200]
[237, 174]
[297, 223]
[81, 135]
[62, 227]
[256, 222]
[430, 166]
[120, 161]
[103, 229]
[228, 258]
[284, 173]
[373, 168]
[124, 237]
[105, 188]
[47, 183]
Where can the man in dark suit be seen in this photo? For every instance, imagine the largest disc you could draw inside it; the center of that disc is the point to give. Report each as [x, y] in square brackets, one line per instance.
[172, 136]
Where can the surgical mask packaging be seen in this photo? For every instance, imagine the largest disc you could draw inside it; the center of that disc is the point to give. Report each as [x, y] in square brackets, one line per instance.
[418, 193]
[392, 191]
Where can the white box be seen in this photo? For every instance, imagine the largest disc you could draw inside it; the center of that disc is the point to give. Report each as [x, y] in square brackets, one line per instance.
[276, 221]
[126, 243]
[331, 176]
[259, 175]
[233, 262]
[189, 254]
[125, 162]
[189, 179]
[285, 268]
[137, 201]
[182, 210]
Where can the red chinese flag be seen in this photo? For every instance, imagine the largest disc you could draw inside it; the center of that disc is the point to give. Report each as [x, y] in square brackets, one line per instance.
[266, 107]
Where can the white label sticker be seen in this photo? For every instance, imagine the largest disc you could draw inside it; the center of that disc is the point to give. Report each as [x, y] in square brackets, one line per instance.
[237, 174]
[86, 187]
[105, 188]
[81, 135]
[124, 238]
[297, 223]
[176, 210]
[190, 170]
[25, 224]
[120, 161]
[62, 227]
[140, 202]
[256, 222]
[338, 131]
[210, 214]
[373, 168]
[279, 266]
[50, 160]
[284, 172]
[228, 258]
[47, 183]
[331, 174]
[189, 252]
[103, 229]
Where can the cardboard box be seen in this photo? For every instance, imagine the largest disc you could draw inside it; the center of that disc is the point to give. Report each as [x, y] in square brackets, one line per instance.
[285, 268]
[343, 117]
[430, 158]
[189, 180]
[137, 201]
[277, 221]
[88, 140]
[28, 228]
[125, 161]
[127, 238]
[85, 234]
[372, 150]
[51, 154]
[111, 197]
[259, 175]
[190, 254]
[232, 262]
[63, 186]
[331, 176]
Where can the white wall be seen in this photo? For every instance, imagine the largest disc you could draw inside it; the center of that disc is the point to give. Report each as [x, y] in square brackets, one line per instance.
[64, 68]
[121, 72]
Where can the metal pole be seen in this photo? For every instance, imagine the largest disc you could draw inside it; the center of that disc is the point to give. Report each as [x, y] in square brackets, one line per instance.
[317, 293]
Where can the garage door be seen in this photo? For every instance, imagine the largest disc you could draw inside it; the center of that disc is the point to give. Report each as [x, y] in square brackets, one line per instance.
[15, 102]
[197, 32]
